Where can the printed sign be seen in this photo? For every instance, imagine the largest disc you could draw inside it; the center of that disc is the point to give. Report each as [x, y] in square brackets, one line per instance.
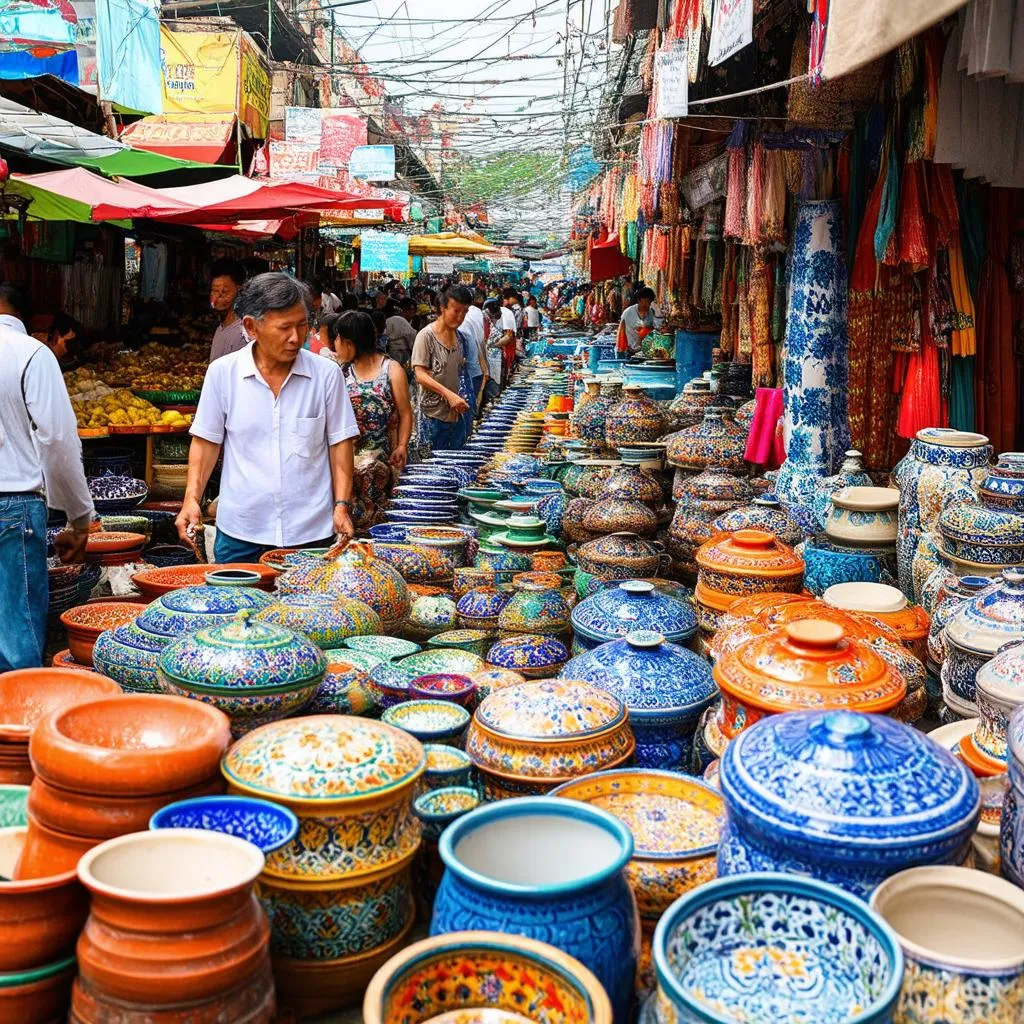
[291, 161]
[375, 163]
[340, 133]
[382, 250]
[732, 28]
[254, 93]
[302, 125]
[439, 264]
[200, 71]
[671, 82]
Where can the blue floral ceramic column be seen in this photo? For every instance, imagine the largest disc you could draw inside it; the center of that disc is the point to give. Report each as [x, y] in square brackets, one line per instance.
[816, 370]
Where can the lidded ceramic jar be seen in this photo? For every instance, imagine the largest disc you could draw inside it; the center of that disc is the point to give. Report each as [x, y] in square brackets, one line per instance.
[190, 608]
[764, 513]
[851, 474]
[589, 422]
[634, 483]
[689, 406]
[326, 620]
[532, 655]
[621, 556]
[715, 484]
[950, 593]
[977, 631]
[843, 797]
[635, 417]
[536, 605]
[664, 686]
[979, 532]
[1003, 484]
[528, 739]
[129, 655]
[255, 672]
[807, 664]
[888, 605]
[863, 516]
[619, 515]
[715, 441]
[596, 473]
[480, 607]
[623, 608]
[355, 573]
[999, 687]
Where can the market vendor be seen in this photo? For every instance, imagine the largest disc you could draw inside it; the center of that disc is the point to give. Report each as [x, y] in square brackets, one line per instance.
[39, 452]
[226, 278]
[58, 334]
[283, 419]
[637, 321]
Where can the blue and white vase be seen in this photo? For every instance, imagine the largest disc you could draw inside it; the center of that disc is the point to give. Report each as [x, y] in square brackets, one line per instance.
[816, 419]
[552, 870]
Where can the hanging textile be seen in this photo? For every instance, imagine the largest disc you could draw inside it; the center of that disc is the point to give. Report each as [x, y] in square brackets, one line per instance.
[759, 311]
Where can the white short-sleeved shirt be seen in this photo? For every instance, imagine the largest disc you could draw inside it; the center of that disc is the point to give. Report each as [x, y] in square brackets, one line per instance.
[276, 480]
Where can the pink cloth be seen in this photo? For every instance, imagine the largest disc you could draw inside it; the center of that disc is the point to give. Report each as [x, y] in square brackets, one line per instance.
[764, 444]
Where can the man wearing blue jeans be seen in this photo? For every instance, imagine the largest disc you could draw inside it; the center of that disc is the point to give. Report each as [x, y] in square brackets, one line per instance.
[39, 453]
[283, 419]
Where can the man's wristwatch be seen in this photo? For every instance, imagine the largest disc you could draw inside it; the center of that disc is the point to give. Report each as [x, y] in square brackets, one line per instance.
[344, 503]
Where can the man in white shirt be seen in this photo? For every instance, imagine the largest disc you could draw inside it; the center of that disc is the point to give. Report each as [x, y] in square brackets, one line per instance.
[285, 424]
[638, 319]
[476, 355]
[39, 452]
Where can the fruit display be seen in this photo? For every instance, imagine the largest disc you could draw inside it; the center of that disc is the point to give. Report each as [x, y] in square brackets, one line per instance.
[115, 408]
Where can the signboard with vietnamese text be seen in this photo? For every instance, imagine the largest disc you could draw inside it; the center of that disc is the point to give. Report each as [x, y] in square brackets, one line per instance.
[200, 71]
[382, 250]
[374, 163]
[292, 161]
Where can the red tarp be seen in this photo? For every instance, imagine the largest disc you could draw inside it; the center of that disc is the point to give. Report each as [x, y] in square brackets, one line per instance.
[607, 260]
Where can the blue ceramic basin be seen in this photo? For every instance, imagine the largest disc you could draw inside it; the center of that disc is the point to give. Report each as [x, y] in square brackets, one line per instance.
[266, 825]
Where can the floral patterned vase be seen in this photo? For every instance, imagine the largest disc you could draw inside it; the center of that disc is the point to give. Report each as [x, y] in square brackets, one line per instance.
[816, 419]
[635, 417]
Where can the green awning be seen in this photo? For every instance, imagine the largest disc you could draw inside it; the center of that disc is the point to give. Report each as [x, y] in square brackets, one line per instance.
[137, 163]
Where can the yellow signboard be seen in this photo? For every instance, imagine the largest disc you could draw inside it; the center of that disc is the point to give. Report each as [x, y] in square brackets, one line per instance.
[200, 71]
[254, 90]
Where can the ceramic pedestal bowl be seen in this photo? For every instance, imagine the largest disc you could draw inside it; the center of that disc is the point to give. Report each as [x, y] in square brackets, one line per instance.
[266, 825]
[504, 979]
[85, 623]
[962, 934]
[541, 866]
[430, 662]
[771, 947]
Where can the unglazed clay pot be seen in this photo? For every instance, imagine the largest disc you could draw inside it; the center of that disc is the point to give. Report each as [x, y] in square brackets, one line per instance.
[962, 934]
[37, 996]
[28, 695]
[542, 866]
[173, 920]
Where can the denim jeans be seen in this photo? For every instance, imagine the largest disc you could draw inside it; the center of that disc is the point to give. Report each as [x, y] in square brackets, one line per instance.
[228, 549]
[445, 436]
[24, 585]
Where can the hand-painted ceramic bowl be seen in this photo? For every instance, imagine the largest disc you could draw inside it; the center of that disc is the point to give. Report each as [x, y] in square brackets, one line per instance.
[503, 979]
[617, 610]
[349, 780]
[391, 533]
[266, 825]
[345, 688]
[447, 660]
[476, 641]
[962, 935]
[537, 605]
[438, 808]
[430, 721]
[387, 648]
[480, 607]
[444, 686]
[446, 766]
[771, 947]
[664, 686]
[327, 620]
[530, 738]
[538, 865]
[863, 516]
[191, 608]
[530, 654]
[85, 623]
[254, 672]
[232, 577]
[845, 797]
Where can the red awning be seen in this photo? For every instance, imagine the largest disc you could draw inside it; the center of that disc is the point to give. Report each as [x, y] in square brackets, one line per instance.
[607, 260]
[209, 140]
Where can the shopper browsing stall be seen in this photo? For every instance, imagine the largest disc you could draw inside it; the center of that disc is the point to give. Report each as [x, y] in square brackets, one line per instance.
[225, 280]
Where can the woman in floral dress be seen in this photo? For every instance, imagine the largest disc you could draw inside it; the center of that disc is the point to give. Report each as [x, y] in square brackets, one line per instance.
[379, 390]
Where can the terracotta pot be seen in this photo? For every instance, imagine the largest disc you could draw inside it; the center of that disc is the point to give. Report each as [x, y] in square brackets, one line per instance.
[748, 561]
[130, 745]
[85, 623]
[42, 1001]
[39, 918]
[97, 817]
[28, 695]
[46, 852]
[17, 774]
[173, 912]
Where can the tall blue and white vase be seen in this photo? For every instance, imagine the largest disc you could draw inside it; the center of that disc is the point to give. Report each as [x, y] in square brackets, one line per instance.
[816, 420]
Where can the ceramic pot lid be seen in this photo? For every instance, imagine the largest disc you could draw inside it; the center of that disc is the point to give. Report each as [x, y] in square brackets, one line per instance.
[1002, 678]
[981, 524]
[323, 758]
[632, 605]
[714, 484]
[649, 675]
[867, 499]
[550, 710]
[243, 654]
[809, 664]
[950, 438]
[750, 553]
[192, 607]
[836, 778]
[993, 618]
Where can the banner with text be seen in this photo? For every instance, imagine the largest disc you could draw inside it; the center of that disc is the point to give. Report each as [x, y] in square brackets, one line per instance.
[254, 89]
[382, 250]
[671, 82]
[732, 28]
[439, 264]
[200, 71]
[374, 163]
[292, 161]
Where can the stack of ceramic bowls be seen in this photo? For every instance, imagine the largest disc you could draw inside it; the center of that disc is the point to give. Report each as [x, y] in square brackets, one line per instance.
[339, 896]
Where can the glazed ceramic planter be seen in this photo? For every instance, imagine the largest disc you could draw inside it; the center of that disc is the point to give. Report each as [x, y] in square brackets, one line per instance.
[843, 797]
[664, 687]
[951, 593]
[532, 655]
[713, 941]
[254, 672]
[863, 516]
[446, 767]
[715, 441]
[887, 605]
[620, 556]
[528, 739]
[962, 935]
[827, 563]
[151, 893]
[436, 809]
[129, 655]
[624, 607]
[562, 876]
[982, 533]
[500, 977]
[327, 621]
[536, 605]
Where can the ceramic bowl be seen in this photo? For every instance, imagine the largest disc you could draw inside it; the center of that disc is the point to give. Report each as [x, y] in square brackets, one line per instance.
[39, 994]
[388, 648]
[154, 583]
[233, 578]
[438, 808]
[476, 641]
[430, 721]
[446, 766]
[712, 943]
[345, 688]
[391, 533]
[444, 686]
[863, 516]
[448, 660]
[28, 695]
[39, 917]
[504, 979]
[266, 825]
[85, 623]
[962, 934]
[114, 494]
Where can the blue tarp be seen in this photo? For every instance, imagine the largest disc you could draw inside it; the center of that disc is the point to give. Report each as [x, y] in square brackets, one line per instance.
[128, 54]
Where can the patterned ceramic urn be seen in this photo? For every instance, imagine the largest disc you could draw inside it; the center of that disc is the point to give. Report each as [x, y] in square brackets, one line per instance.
[530, 738]
[326, 620]
[622, 608]
[339, 893]
[619, 515]
[715, 441]
[765, 513]
[664, 686]
[635, 484]
[255, 672]
[982, 532]
[635, 417]
[536, 606]
[689, 406]
[621, 556]
[942, 466]
[589, 423]
[844, 797]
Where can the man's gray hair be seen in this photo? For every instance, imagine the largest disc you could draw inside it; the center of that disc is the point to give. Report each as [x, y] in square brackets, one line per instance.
[270, 293]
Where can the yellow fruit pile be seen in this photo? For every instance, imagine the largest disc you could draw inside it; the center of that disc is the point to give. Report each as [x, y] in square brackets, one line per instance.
[173, 418]
[117, 409]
